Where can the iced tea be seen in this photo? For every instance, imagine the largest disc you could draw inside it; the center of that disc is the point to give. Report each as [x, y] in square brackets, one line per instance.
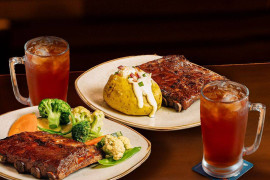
[47, 68]
[224, 114]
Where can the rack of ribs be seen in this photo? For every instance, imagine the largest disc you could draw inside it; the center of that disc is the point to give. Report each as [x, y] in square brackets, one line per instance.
[46, 155]
[180, 80]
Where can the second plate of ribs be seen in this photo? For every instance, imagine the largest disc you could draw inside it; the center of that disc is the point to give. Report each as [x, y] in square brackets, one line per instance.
[180, 82]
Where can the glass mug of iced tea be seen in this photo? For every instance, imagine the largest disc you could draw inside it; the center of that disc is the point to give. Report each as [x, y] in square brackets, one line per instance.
[224, 114]
[47, 69]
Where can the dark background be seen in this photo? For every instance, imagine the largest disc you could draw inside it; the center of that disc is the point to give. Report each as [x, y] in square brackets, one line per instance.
[206, 32]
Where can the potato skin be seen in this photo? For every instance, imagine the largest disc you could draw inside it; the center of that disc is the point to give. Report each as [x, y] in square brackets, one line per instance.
[118, 93]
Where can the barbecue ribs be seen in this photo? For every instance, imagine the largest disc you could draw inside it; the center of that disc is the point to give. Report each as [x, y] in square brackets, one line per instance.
[180, 80]
[46, 155]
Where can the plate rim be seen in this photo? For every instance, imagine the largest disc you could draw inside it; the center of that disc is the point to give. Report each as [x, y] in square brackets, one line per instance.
[116, 119]
[115, 177]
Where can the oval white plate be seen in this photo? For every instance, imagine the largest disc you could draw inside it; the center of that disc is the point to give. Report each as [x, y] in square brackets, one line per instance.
[113, 172]
[90, 86]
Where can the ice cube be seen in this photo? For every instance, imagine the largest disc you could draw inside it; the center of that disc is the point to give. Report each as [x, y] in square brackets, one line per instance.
[47, 46]
[42, 51]
[229, 97]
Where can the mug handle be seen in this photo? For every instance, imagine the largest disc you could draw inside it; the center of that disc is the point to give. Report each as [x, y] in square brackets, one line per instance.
[12, 62]
[261, 109]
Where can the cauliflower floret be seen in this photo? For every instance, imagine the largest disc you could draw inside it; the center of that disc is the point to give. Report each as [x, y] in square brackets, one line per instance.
[80, 113]
[125, 141]
[113, 147]
[97, 118]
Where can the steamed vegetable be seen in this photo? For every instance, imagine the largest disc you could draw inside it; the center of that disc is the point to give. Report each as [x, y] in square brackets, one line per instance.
[44, 123]
[114, 145]
[117, 148]
[128, 153]
[94, 141]
[64, 130]
[97, 124]
[87, 127]
[126, 142]
[81, 131]
[53, 132]
[80, 113]
[101, 143]
[57, 111]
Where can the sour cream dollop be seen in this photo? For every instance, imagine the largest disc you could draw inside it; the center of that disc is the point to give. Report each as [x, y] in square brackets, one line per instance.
[142, 85]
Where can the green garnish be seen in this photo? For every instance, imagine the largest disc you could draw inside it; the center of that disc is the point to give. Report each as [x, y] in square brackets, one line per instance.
[110, 161]
[117, 72]
[141, 84]
[144, 75]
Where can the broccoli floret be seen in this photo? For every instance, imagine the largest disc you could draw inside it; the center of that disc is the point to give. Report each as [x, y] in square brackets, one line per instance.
[80, 113]
[83, 131]
[57, 111]
[80, 131]
[64, 118]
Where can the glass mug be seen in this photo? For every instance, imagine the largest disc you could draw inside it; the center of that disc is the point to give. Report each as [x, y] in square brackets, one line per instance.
[224, 110]
[47, 66]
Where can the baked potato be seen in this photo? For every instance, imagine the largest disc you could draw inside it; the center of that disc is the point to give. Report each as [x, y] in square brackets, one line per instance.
[119, 94]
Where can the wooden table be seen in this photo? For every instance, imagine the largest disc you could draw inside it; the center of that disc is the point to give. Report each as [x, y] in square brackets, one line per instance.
[174, 153]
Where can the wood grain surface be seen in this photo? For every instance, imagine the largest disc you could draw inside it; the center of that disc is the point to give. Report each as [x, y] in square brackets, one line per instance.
[175, 153]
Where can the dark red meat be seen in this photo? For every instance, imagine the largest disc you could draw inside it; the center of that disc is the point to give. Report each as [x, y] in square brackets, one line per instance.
[46, 155]
[180, 80]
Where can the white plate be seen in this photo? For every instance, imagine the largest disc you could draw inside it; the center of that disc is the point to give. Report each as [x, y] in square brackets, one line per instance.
[113, 172]
[90, 86]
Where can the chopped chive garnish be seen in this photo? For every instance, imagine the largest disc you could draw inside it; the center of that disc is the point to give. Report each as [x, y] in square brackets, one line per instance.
[116, 72]
[144, 75]
[141, 84]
